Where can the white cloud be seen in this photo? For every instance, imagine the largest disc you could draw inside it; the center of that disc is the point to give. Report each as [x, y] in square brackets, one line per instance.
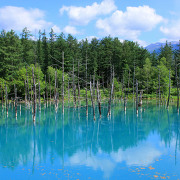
[141, 42]
[171, 30]
[83, 15]
[130, 24]
[95, 162]
[144, 155]
[17, 18]
[56, 29]
[89, 38]
[71, 30]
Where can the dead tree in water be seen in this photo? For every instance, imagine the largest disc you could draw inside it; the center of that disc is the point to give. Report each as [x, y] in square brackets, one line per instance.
[169, 88]
[99, 98]
[50, 88]
[86, 89]
[133, 80]
[128, 82]
[28, 96]
[46, 99]
[15, 99]
[177, 86]
[125, 100]
[140, 98]
[2, 95]
[34, 96]
[31, 90]
[93, 87]
[55, 91]
[39, 92]
[112, 89]
[6, 100]
[92, 100]
[68, 94]
[122, 90]
[74, 87]
[136, 96]
[63, 82]
[25, 85]
[159, 88]
[78, 87]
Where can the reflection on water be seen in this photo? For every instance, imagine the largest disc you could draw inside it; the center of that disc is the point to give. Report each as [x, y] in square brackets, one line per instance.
[73, 146]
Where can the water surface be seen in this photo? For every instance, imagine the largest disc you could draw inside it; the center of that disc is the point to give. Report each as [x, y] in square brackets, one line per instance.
[73, 146]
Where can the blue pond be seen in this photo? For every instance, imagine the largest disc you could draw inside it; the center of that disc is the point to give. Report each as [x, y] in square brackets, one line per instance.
[73, 146]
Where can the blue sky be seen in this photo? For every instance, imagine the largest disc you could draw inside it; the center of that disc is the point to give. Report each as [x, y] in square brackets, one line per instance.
[144, 21]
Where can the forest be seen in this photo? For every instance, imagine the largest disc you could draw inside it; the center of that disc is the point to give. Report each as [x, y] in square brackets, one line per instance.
[101, 60]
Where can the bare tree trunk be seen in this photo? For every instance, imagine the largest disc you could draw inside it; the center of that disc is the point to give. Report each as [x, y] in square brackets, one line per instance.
[34, 96]
[25, 92]
[125, 103]
[99, 98]
[125, 100]
[2, 95]
[92, 100]
[177, 86]
[147, 85]
[78, 86]
[31, 91]
[169, 88]
[63, 82]
[55, 93]
[86, 89]
[39, 93]
[133, 80]
[128, 83]
[27, 87]
[6, 100]
[15, 93]
[46, 91]
[44, 99]
[122, 88]
[159, 89]
[68, 94]
[136, 96]
[50, 88]
[140, 98]
[93, 85]
[112, 88]
[74, 87]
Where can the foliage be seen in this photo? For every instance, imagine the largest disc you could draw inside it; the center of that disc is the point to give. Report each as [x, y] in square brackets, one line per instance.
[130, 61]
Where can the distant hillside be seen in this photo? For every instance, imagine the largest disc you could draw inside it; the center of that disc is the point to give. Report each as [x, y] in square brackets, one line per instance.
[158, 45]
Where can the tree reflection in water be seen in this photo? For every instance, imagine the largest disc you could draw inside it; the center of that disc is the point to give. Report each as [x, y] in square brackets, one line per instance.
[74, 140]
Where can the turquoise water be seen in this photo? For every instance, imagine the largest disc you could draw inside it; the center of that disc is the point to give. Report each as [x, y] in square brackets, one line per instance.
[125, 146]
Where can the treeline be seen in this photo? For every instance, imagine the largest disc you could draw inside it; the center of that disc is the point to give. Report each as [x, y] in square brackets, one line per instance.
[84, 61]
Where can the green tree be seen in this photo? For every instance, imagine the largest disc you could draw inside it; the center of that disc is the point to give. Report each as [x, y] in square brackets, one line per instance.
[163, 71]
[28, 50]
[52, 46]
[20, 78]
[39, 50]
[93, 56]
[10, 55]
[45, 49]
[167, 52]
[146, 75]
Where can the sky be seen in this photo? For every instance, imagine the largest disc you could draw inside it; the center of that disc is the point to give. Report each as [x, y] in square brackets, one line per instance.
[144, 21]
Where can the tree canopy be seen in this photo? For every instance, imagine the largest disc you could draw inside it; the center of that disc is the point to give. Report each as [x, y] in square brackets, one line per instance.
[129, 59]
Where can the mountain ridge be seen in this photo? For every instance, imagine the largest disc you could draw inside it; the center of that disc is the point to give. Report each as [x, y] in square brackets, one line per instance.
[156, 46]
